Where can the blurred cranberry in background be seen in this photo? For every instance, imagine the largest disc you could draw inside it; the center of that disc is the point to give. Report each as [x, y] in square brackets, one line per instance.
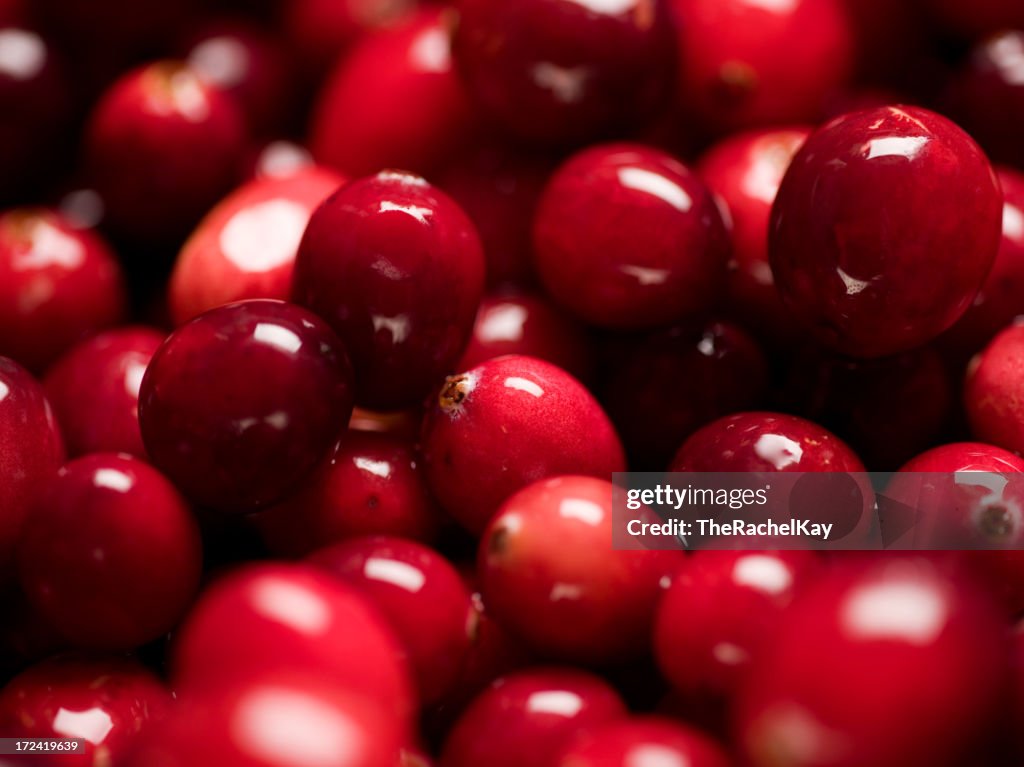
[974, 18]
[640, 740]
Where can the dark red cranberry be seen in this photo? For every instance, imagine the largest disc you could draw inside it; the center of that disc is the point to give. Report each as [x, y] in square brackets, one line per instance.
[25, 637]
[565, 70]
[107, 702]
[162, 146]
[58, 284]
[371, 484]
[239, 405]
[890, 40]
[674, 381]
[974, 19]
[394, 265]
[412, 111]
[265, 618]
[744, 64]
[506, 423]
[645, 740]
[530, 717]
[245, 247]
[931, 642]
[884, 229]
[993, 391]
[110, 554]
[627, 237]
[94, 390]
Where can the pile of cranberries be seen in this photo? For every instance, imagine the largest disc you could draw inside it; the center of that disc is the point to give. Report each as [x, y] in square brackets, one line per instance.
[325, 324]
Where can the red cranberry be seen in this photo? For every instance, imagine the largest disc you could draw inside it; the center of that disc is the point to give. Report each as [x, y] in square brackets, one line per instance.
[721, 611]
[110, 554]
[627, 237]
[646, 740]
[506, 423]
[932, 643]
[412, 111]
[992, 392]
[529, 717]
[265, 618]
[106, 702]
[396, 268]
[371, 484]
[94, 389]
[564, 70]
[420, 594]
[240, 404]
[884, 229]
[58, 284]
[977, 18]
[246, 246]
[162, 146]
[744, 64]
[280, 158]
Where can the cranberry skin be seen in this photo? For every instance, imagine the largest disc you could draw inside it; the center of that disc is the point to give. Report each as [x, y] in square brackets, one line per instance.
[371, 484]
[162, 146]
[743, 65]
[110, 554]
[721, 612]
[245, 247]
[419, 593]
[554, 579]
[992, 392]
[884, 229]
[240, 404]
[627, 237]
[58, 284]
[645, 740]
[394, 265]
[412, 112]
[94, 390]
[558, 70]
[902, 625]
[529, 717]
[546, 422]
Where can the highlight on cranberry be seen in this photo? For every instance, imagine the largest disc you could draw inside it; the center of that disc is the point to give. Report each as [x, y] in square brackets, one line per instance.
[512, 383]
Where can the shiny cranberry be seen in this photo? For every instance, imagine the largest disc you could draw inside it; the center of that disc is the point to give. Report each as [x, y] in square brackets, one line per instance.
[529, 717]
[564, 70]
[106, 702]
[884, 229]
[642, 741]
[992, 392]
[246, 246]
[977, 18]
[371, 484]
[519, 323]
[745, 171]
[240, 404]
[902, 625]
[674, 381]
[542, 418]
[396, 268]
[412, 112]
[110, 554]
[162, 146]
[627, 237]
[94, 390]
[58, 284]
[744, 64]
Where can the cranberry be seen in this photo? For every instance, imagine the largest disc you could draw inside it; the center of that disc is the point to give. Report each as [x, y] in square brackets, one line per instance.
[646, 740]
[280, 158]
[94, 389]
[265, 618]
[107, 702]
[885, 227]
[162, 146]
[977, 18]
[995, 379]
[902, 625]
[565, 70]
[627, 237]
[412, 111]
[744, 64]
[246, 246]
[529, 717]
[241, 403]
[506, 423]
[110, 554]
[420, 594]
[58, 284]
[721, 612]
[396, 268]
[371, 484]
